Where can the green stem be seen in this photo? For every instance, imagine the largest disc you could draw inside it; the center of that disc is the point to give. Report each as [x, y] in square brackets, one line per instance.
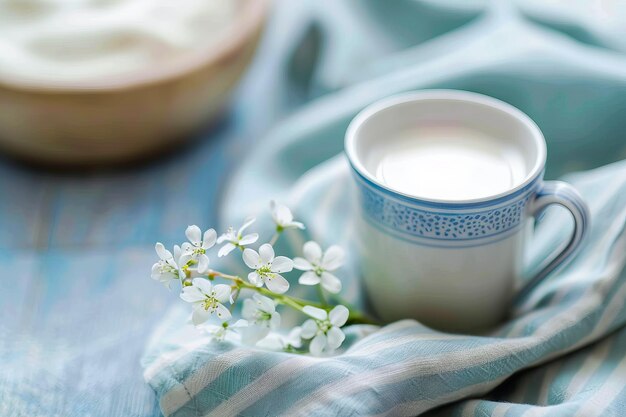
[293, 302]
[275, 237]
[357, 318]
[320, 293]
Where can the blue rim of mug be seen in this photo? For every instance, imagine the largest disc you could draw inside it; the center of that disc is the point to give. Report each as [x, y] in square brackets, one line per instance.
[529, 182]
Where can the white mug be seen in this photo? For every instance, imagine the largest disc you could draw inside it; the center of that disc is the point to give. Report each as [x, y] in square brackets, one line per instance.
[454, 263]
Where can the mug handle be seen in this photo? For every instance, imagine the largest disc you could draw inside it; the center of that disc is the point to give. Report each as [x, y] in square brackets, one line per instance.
[563, 194]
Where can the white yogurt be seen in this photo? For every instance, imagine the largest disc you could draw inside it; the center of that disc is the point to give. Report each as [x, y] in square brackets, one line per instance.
[64, 40]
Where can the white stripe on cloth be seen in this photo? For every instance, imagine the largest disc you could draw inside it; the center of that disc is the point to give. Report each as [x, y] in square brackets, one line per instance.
[263, 385]
[401, 340]
[603, 397]
[386, 331]
[500, 410]
[589, 367]
[539, 411]
[408, 409]
[178, 396]
[551, 371]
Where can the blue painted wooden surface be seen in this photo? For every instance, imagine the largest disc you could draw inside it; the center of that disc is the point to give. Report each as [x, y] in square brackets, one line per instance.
[76, 300]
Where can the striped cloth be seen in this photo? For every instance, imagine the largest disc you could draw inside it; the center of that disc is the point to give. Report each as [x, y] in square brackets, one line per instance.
[564, 351]
[404, 368]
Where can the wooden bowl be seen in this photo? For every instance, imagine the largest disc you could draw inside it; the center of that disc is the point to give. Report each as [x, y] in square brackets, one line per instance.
[124, 118]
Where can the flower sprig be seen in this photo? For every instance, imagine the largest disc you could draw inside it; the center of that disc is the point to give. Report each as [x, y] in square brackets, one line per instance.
[209, 291]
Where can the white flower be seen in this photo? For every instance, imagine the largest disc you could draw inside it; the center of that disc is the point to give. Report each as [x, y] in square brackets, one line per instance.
[236, 239]
[267, 268]
[324, 328]
[317, 266]
[206, 300]
[167, 268]
[276, 341]
[197, 246]
[261, 314]
[283, 218]
[224, 330]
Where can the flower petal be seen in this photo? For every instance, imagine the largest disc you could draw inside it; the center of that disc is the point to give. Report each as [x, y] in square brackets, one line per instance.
[222, 292]
[294, 337]
[318, 344]
[264, 303]
[249, 309]
[331, 283]
[255, 279]
[302, 264]
[334, 338]
[309, 278]
[246, 224]
[266, 252]
[280, 213]
[203, 263]
[209, 238]
[194, 234]
[199, 315]
[275, 321]
[249, 239]
[224, 237]
[312, 252]
[203, 284]
[222, 312]
[226, 249]
[297, 225]
[192, 294]
[333, 258]
[276, 283]
[272, 341]
[281, 264]
[184, 259]
[177, 253]
[252, 334]
[251, 258]
[155, 273]
[163, 253]
[309, 329]
[339, 315]
[316, 313]
[239, 324]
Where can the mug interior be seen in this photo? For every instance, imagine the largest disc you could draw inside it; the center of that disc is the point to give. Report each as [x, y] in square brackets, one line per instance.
[387, 124]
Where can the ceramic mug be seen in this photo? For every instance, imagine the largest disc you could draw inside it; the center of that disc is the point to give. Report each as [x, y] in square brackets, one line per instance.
[454, 264]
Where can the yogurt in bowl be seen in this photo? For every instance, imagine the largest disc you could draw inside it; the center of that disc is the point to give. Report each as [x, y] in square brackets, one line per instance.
[92, 82]
[82, 40]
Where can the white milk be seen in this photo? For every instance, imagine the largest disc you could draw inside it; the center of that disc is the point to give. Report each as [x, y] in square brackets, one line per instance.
[61, 40]
[449, 163]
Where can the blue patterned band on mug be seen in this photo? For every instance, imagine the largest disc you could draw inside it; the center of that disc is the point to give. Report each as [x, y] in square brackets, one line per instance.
[441, 224]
